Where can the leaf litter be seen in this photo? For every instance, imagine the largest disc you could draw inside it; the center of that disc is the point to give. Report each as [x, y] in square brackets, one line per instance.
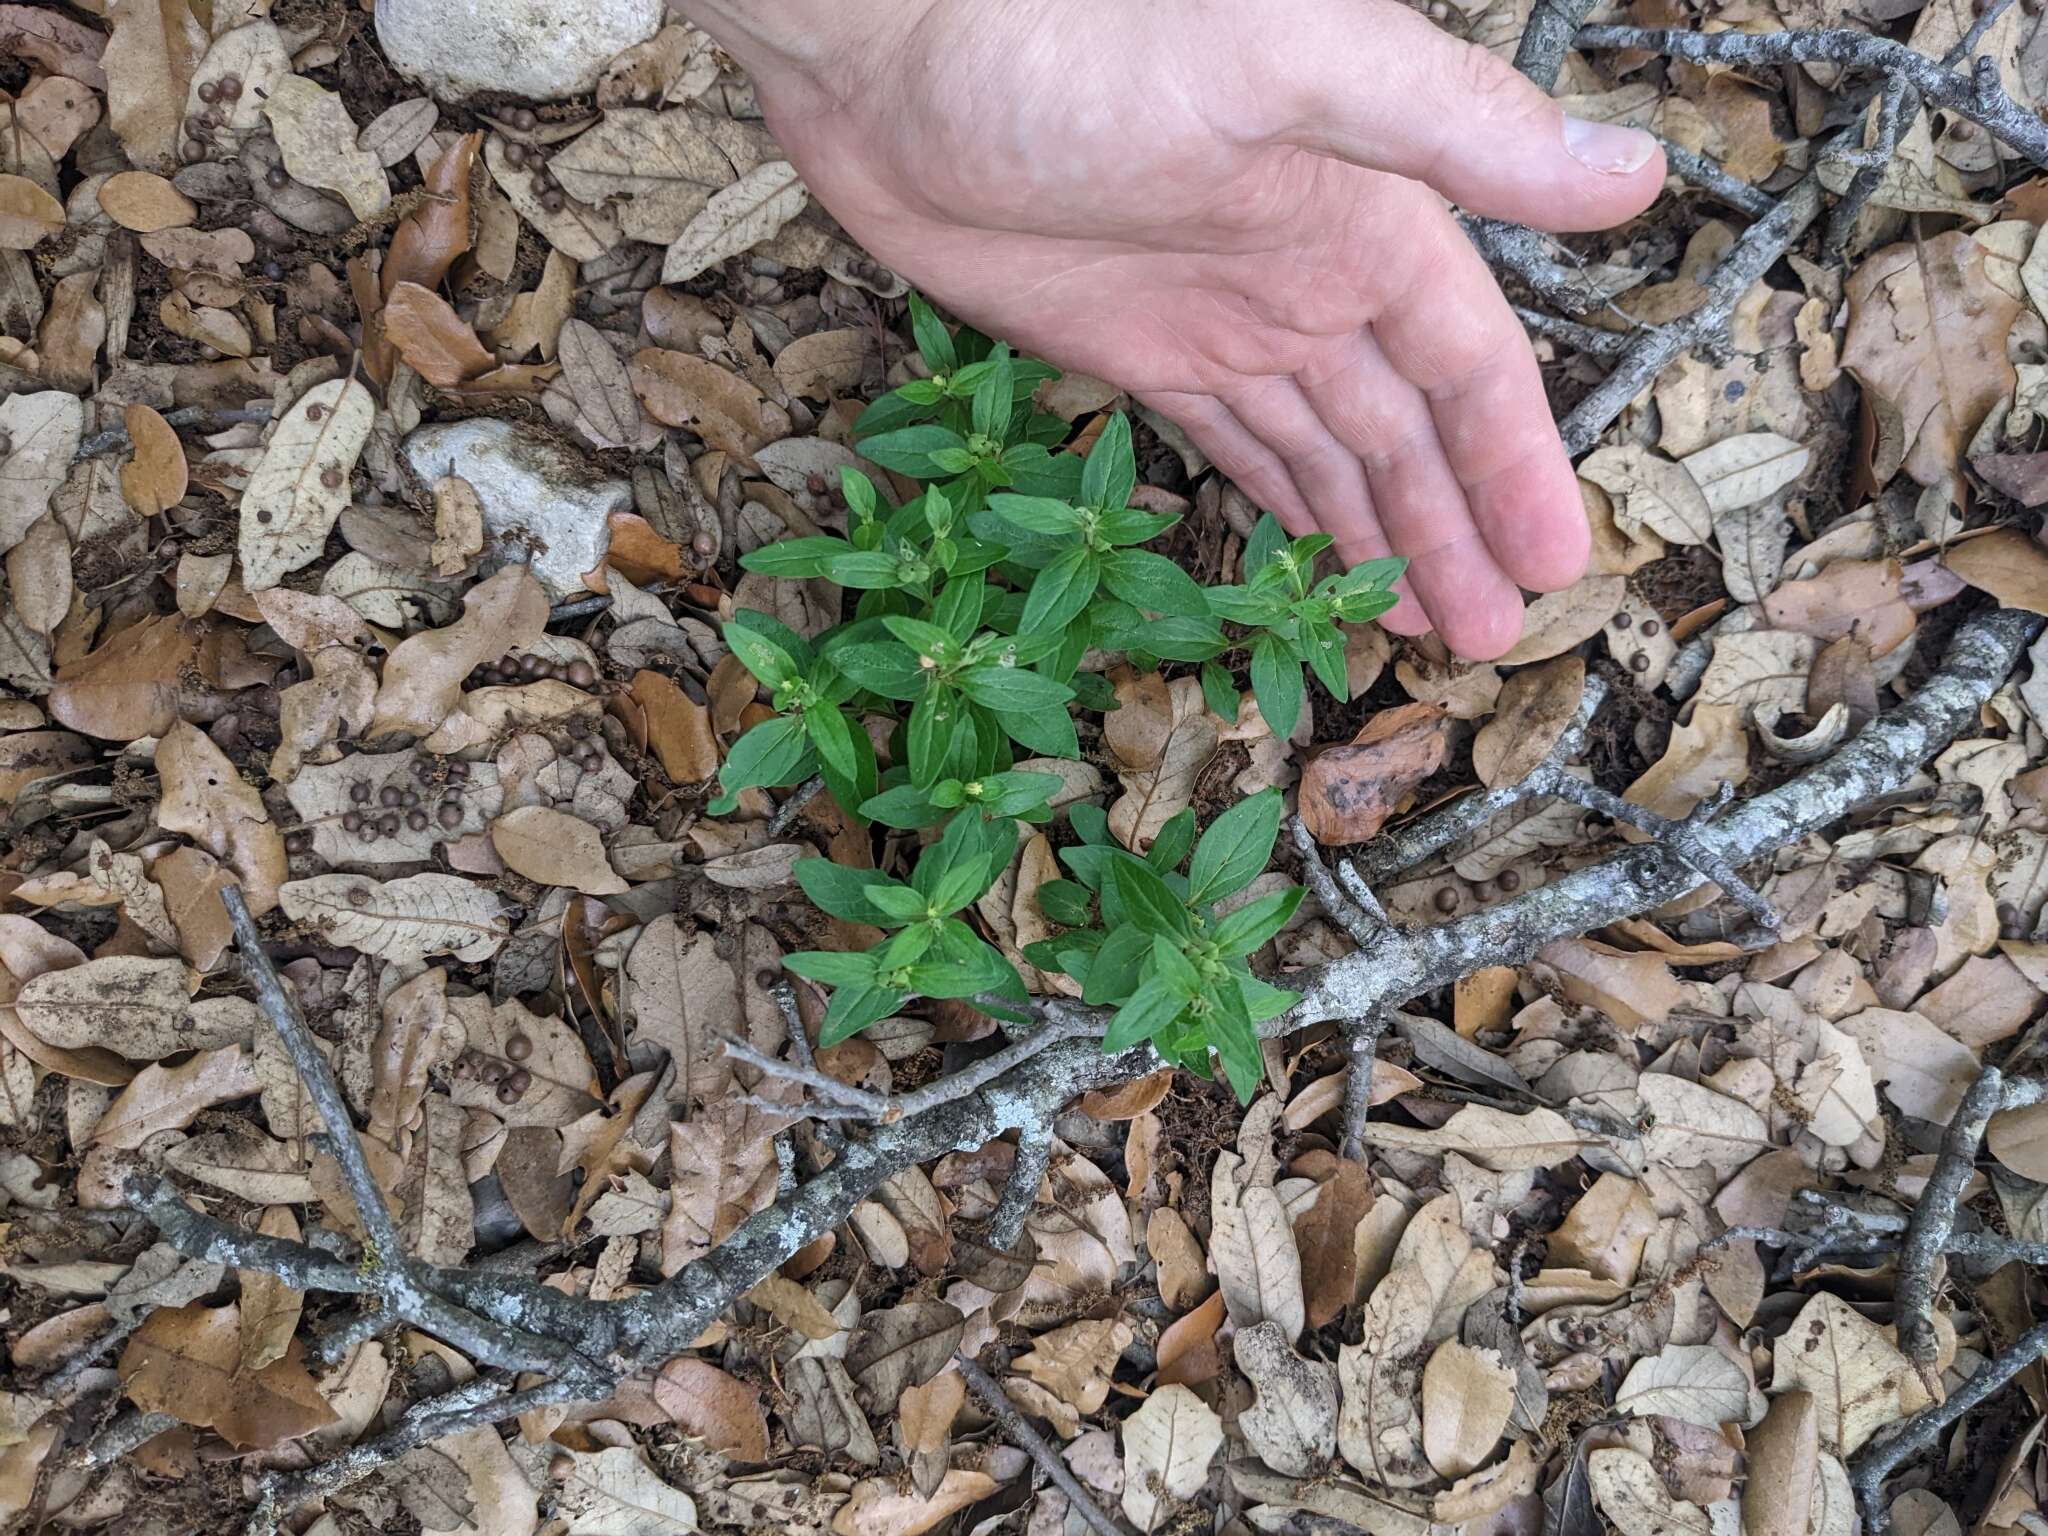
[247, 645]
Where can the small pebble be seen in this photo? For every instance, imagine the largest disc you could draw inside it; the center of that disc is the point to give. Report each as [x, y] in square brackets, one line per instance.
[518, 1048]
[278, 178]
[1510, 881]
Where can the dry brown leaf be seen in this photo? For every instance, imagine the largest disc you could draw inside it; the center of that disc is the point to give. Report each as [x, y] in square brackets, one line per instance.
[1325, 1235]
[28, 214]
[824, 363]
[458, 525]
[1859, 598]
[270, 1308]
[131, 1004]
[1379, 1430]
[1348, 792]
[145, 203]
[1558, 621]
[1467, 1395]
[735, 219]
[878, 1508]
[207, 800]
[924, 1427]
[1703, 753]
[406, 920]
[170, 1098]
[1168, 1445]
[1161, 734]
[1534, 707]
[1252, 1249]
[1075, 1362]
[2006, 563]
[1783, 1458]
[1633, 989]
[552, 847]
[1187, 1346]
[724, 1172]
[39, 575]
[300, 485]
[435, 342]
[678, 728]
[711, 1406]
[187, 1362]
[1927, 336]
[725, 410]
[1859, 1380]
[1632, 1495]
[154, 480]
[1606, 1229]
[317, 138]
[423, 676]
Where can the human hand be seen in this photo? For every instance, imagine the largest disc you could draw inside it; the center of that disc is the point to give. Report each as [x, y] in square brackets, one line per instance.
[1237, 213]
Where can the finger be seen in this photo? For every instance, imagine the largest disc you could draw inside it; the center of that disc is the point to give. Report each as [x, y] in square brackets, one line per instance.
[1451, 335]
[1421, 506]
[1376, 84]
[1253, 467]
[1328, 473]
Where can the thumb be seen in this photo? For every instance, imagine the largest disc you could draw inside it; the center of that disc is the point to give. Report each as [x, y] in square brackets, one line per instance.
[1378, 85]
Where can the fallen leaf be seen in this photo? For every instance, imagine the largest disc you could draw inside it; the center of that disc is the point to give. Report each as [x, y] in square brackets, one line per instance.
[1293, 1424]
[1694, 1382]
[735, 219]
[423, 676]
[145, 203]
[435, 342]
[1859, 1380]
[317, 138]
[1634, 1497]
[1743, 470]
[1168, 1445]
[406, 920]
[300, 485]
[678, 729]
[878, 1508]
[1648, 491]
[1252, 1248]
[1348, 792]
[551, 847]
[711, 1406]
[187, 1362]
[2006, 563]
[28, 214]
[614, 1492]
[1467, 1395]
[725, 410]
[207, 800]
[1535, 706]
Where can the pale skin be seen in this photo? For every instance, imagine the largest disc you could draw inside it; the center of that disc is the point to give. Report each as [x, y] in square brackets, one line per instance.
[1238, 213]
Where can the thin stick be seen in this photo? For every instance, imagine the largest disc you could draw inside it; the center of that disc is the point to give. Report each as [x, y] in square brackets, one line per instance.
[787, 812]
[1020, 1191]
[1934, 1219]
[1363, 1036]
[1338, 907]
[997, 1405]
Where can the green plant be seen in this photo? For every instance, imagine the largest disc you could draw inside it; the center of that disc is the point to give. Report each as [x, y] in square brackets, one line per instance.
[979, 597]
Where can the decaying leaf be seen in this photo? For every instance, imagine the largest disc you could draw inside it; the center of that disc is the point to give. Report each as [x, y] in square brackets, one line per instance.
[187, 1362]
[407, 919]
[1348, 792]
[300, 485]
[1168, 1445]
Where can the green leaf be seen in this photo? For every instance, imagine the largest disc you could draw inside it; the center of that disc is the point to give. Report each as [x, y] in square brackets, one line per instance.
[1219, 692]
[1150, 1009]
[1061, 591]
[833, 968]
[958, 609]
[934, 721]
[1008, 689]
[1262, 1000]
[898, 903]
[776, 751]
[963, 966]
[1041, 515]
[853, 1009]
[1113, 974]
[1267, 540]
[1170, 844]
[1066, 902]
[1276, 684]
[1127, 525]
[865, 570]
[1146, 898]
[798, 558]
[1370, 576]
[1089, 821]
[1154, 583]
[1111, 473]
[1174, 968]
[886, 667]
[859, 492]
[762, 656]
[1325, 645]
[1236, 849]
[909, 450]
[1017, 794]
[841, 892]
[1236, 1042]
[925, 638]
[1252, 924]
[961, 885]
[1247, 605]
[1047, 733]
[934, 341]
[1364, 606]
[893, 412]
[832, 736]
[990, 411]
[904, 807]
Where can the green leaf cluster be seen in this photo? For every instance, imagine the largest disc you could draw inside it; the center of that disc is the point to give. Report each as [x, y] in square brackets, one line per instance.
[978, 599]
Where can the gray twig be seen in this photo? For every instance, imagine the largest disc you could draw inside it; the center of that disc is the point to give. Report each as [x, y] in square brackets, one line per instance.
[1934, 1219]
[1347, 914]
[1699, 171]
[786, 813]
[1586, 338]
[1363, 1038]
[1020, 1190]
[997, 1405]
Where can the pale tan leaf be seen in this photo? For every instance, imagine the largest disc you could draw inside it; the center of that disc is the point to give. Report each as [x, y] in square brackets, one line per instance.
[170, 1098]
[614, 1492]
[317, 138]
[1252, 1248]
[878, 1508]
[711, 1406]
[409, 919]
[1380, 1428]
[423, 677]
[735, 218]
[129, 1004]
[145, 203]
[300, 485]
[551, 847]
[1859, 1380]
[1634, 1498]
[1293, 1424]
[1168, 1445]
[661, 168]
[270, 1308]
[1650, 491]
[1741, 471]
[1467, 1395]
[1694, 1382]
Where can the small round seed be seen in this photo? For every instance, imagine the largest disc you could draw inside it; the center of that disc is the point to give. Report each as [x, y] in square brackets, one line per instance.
[358, 896]
[703, 546]
[582, 674]
[458, 771]
[278, 178]
[518, 1048]
[524, 120]
[518, 1080]
[1651, 626]
[507, 1094]
[352, 822]
[1622, 621]
[531, 664]
[409, 799]
[515, 154]
[552, 201]
[1640, 662]
[298, 842]
[417, 820]
[360, 791]
[196, 126]
[494, 1071]
[815, 483]
[1483, 891]
[209, 92]
[315, 411]
[1446, 898]
[371, 831]
[330, 477]
[450, 815]
[388, 823]
[577, 727]
[590, 759]
[230, 88]
[1509, 881]
[390, 794]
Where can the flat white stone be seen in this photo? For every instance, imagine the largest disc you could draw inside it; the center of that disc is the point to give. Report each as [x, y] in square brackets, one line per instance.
[544, 505]
[536, 50]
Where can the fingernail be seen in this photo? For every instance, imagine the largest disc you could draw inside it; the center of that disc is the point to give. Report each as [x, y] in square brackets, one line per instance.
[1607, 147]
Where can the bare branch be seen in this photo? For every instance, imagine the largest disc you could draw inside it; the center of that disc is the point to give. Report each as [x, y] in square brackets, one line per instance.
[998, 1406]
[1347, 914]
[1934, 1219]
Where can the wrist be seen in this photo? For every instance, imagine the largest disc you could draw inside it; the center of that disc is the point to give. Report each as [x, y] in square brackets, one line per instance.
[806, 37]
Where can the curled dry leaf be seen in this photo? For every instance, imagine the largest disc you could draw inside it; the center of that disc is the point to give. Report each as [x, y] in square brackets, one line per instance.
[1633, 1496]
[435, 342]
[1648, 491]
[300, 485]
[553, 848]
[725, 410]
[1348, 792]
[1782, 1454]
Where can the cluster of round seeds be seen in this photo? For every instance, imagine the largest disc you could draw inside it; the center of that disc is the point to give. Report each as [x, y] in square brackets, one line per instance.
[529, 668]
[507, 1076]
[1506, 883]
[397, 806]
[531, 158]
[200, 126]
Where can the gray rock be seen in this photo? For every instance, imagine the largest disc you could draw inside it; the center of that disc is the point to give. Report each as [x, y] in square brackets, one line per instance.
[544, 505]
[537, 50]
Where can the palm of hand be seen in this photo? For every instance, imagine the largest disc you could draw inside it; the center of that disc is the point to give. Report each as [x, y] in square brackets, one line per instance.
[1323, 331]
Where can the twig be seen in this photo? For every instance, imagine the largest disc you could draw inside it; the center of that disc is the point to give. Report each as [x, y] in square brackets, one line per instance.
[787, 812]
[1363, 1037]
[185, 416]
[578, 608]
[1338, 907]
[1977, 96]
[1934, 1219]
[1394, 853]
[1020, 1190]
[1526, 253]
[1681, 837]
[1896, 106]
[1585, 338]
[784, 993]
[1700, 172]
[125, 1435]
[1919, 1433]
[997, 1405]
